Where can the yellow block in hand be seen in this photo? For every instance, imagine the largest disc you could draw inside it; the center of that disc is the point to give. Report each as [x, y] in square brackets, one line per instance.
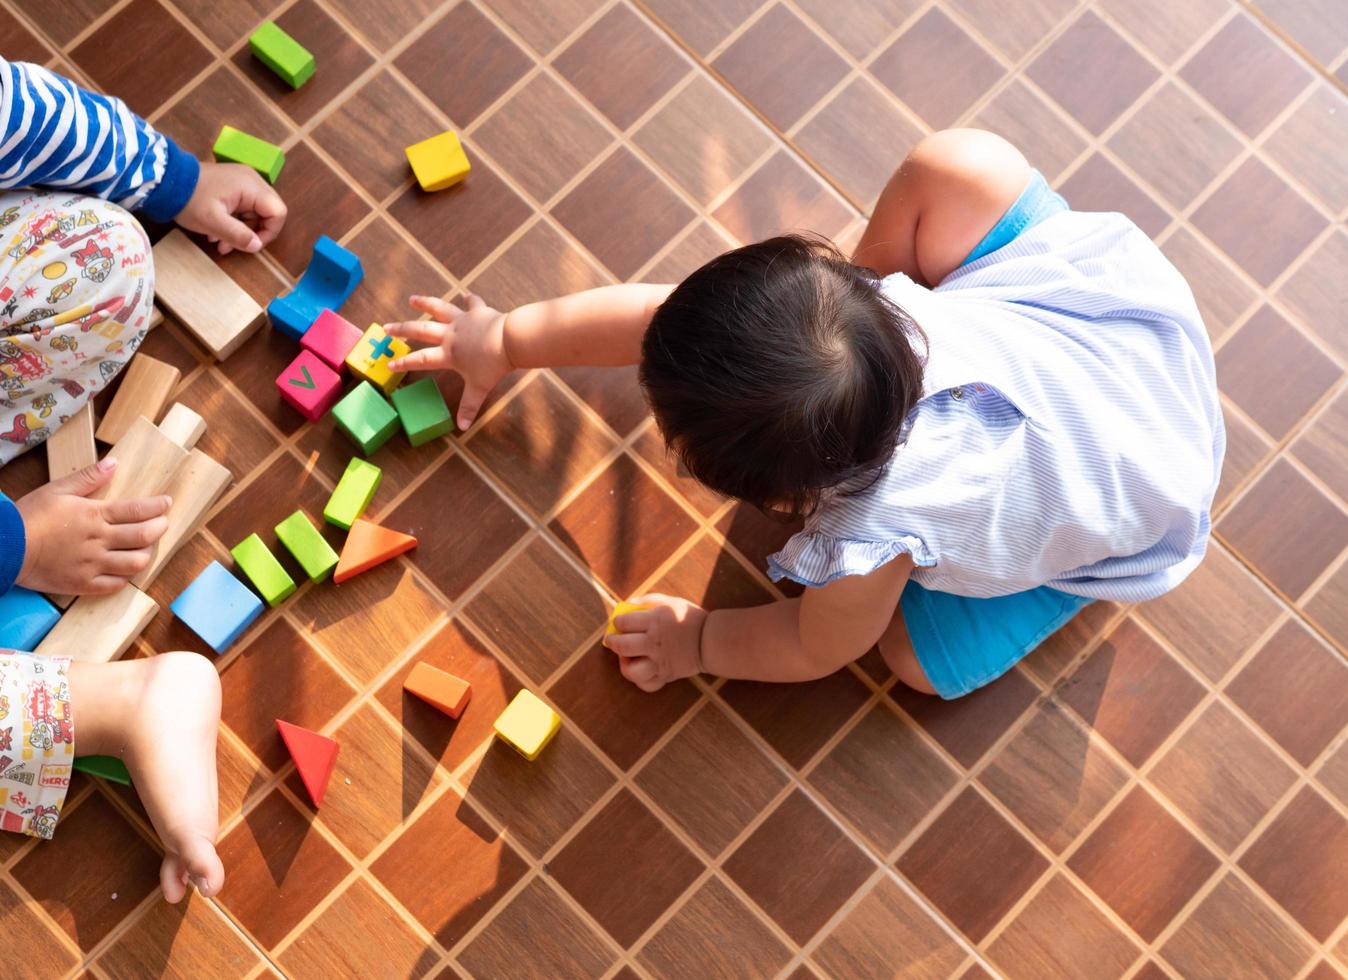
[621, 609]
[527, 724]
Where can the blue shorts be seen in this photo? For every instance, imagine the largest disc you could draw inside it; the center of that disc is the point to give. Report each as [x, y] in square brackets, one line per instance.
[963, 643]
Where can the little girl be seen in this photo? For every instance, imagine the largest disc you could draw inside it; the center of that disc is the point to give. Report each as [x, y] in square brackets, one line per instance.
[1001, 410]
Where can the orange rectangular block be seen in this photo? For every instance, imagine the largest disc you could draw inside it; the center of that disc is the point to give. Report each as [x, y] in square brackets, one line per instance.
[439, 688]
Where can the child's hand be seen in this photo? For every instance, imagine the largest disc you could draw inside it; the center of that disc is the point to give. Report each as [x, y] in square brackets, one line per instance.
[659, 645]
[234, 206]
[471, 342]
[78, 546]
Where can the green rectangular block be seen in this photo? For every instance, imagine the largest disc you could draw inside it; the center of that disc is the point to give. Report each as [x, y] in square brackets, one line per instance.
[423, 411]
[236, 146]
[353, 493]
[282, 54]
[256, 561]
[303, 541]
[105, 766]
[366, 416]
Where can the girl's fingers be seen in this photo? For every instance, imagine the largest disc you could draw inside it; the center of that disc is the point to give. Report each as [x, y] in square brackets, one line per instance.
[426, 359]
[103, 585]
[627, 645]
[421, 331]
[136, 510]
[475, 302]
[125, 564]
[439, 308]
[634, 622]
[130, 537]
[642, 672]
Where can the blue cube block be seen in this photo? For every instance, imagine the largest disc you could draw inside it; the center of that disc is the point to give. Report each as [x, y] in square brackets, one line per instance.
[25, 618]
[217, 607]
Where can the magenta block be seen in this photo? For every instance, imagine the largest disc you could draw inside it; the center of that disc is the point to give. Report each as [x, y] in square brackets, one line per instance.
[331, 338]
[310, 385]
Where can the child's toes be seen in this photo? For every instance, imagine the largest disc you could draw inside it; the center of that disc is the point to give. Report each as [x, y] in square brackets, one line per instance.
[197, 864]
[172, 875]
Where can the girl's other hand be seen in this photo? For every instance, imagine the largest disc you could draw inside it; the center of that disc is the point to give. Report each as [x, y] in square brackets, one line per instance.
[468, 340]
[660, 644]
[234, 207]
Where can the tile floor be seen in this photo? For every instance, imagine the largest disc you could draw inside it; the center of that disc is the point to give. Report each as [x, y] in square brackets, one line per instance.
[1160, 791]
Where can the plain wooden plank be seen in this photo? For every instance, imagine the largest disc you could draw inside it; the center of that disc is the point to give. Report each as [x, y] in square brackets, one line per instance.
[146, 461]
[145, 390]
[156, 318]
[71, 447]
[182, 425]
[195, 488]
[101, 628]
[202, 296]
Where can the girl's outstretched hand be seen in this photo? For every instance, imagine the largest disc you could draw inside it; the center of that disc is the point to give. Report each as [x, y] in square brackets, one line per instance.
[659, 644]
[470, 341]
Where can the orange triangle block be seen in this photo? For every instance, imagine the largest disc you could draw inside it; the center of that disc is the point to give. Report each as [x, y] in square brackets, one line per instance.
[314, 755]
[439, 688]
[368, 545]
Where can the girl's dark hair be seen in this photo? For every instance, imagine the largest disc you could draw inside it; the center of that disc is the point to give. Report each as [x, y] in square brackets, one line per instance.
[779, 370]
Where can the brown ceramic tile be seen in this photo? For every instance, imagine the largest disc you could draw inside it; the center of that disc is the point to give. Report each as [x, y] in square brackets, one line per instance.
[1234, 933]
[44, 954]
[239, 775]
[24, 474]
[142, 54]
[614, 393]
[1301, 859]
[191, 938]
[916, 69]
[1287, 528]
[1037, 129]
[463, 63]
[621, 64]
[279, 869]
[475, 544]
[194, 121]
[1063, 648]
[967, 727]
[859, 26]
[1316, 292]
[625, 868]
[234, 436]
[714, 934]
[1295, 668]
[542, 158]
[318, 202]
[1247, 75]
[166, 632]
[797, 719]
[799, 867]
[972, 864]
[328, 946]
[275, 494]
[225, 24]
[1222, 294]
[1092, 72]
[383, 296]
[702, 24]
[1329, 605]
[540, 264]
[650, 446]
[1098, 185]
[537, 934]
[757, 535]
[1248, 453]
[1304, 145]
[1323, 446]
[599, 212]
[1053, 777]
[782, 195]
[61, 20]
[1167, 29]
[384, 25]
[450, 842]
[711, 779]
[699, 245]
[1333, 775]
[544, 27]
[1320, 26]
[1014, 30]
[1061, 933]
[537, 609]
[703, 138]
[711, 576]
[886, 928]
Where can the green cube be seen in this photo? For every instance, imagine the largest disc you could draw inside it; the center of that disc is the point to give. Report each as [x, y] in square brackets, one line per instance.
[366, 416]
[236, 146]
[256, 561]
[282, 54]
[105, 766]
[353, 493]
[303, 541]
[423, 411]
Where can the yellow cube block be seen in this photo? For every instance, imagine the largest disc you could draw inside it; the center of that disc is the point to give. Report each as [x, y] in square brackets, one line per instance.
[621, 609]
[370, 358]
[527, 724]
[438, 162]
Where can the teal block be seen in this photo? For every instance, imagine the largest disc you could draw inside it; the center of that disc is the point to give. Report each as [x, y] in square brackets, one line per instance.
[423, 411]
[366, 416]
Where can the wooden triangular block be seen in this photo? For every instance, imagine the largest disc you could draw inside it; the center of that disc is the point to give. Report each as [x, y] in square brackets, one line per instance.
[439, 688]
[367, 545]
[314, 755]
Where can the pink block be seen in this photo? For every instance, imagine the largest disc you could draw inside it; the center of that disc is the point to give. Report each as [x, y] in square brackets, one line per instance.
[331, 337]
[310, 386]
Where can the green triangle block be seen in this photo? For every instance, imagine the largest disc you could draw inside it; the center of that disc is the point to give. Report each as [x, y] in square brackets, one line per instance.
[104, 766]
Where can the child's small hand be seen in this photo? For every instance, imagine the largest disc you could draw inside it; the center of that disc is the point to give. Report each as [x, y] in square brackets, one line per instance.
[234, 206]
[661, 644]
[78, 546]
[470, 341]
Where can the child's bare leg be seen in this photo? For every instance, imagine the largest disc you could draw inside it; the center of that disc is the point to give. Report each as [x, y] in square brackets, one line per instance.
[160, 715]
[897, 650]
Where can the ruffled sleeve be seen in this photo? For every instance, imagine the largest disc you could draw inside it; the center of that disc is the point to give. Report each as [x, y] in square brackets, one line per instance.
[814, 558]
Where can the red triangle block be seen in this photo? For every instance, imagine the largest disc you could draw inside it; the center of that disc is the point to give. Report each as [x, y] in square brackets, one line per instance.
[314, 755]
[368, 545]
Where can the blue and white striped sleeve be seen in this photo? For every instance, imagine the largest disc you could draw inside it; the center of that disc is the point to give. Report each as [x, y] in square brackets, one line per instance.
[56, 134]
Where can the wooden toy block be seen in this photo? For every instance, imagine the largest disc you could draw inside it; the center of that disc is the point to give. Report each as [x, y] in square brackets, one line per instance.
[71, 447]
[202, 296]
[331, 337]
[195, 488]
[353, 493]
[527, 724]
[256, 561]
[438, 162]
[147, 460]
[310, 386]
[333, 272]
[145, 390]
[282, 54]
[183, 426]
[423, 411]
[371, 356]
[366, 416]
[217, 607]
[105, 767]
[25, 618]
[100, 628]
[368, 545]
[315, 757]
[236, 146]
[439, 688]
[303, 541]
[621, 609]
[156, 318]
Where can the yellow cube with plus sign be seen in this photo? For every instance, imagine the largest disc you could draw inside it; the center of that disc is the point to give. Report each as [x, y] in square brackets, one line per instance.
[371, 356]
[438, 162]
[527, 724]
